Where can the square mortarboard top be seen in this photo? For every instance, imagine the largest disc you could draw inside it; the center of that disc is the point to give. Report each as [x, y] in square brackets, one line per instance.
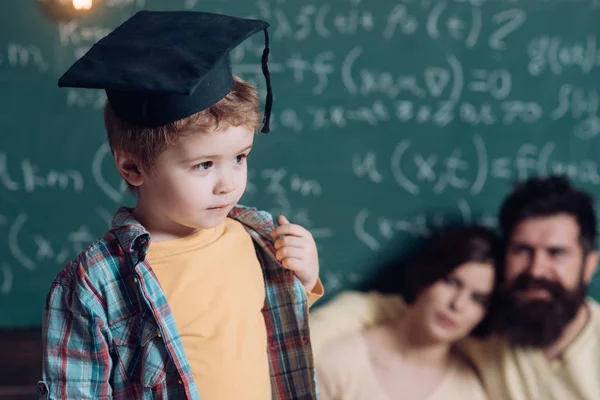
[161, 66]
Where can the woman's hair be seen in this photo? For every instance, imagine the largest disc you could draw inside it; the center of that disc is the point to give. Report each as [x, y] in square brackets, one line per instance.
[446, 252]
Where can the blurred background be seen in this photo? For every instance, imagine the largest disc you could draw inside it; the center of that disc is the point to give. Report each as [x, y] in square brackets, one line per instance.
[391, 119]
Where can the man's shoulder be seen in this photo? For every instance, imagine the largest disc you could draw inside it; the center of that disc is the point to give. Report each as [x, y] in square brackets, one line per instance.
[482, 350]
[594, 308]
[593, 304]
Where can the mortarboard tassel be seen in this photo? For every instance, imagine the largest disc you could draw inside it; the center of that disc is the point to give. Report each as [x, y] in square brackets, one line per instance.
[269, 102]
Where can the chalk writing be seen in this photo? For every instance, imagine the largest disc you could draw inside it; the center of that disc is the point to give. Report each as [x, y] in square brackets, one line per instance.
[281, 186]
[395, 118]
[552, 54]
[28, 178]
[6, 279]
[375, 230]
[115, 191]
[24, 56]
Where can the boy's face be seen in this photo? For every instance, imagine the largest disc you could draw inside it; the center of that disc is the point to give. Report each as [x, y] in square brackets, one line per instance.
[196, 182]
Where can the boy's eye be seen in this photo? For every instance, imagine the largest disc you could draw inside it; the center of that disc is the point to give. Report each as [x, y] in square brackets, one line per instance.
[239, 158]
[204, 166]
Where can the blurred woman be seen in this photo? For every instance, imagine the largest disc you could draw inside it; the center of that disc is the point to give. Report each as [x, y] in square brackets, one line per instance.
[412, 356]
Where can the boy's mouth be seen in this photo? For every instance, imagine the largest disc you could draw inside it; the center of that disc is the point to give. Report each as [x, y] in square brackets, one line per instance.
[220, 207]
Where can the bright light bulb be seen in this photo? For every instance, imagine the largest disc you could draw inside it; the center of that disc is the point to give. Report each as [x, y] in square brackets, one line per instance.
[82, 4]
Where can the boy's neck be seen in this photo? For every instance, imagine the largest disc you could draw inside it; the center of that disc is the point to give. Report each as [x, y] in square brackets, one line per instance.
[160, 228]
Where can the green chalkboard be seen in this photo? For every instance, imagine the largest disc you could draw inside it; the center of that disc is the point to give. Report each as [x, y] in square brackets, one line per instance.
[390, 119]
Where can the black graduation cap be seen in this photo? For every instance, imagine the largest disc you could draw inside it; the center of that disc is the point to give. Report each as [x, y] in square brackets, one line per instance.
[161, 66]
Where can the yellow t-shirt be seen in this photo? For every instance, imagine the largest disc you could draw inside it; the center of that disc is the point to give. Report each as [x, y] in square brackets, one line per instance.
[512, 373]
[214, 285]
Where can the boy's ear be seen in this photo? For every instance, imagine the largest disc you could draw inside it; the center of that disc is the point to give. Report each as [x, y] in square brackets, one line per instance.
[128, 168]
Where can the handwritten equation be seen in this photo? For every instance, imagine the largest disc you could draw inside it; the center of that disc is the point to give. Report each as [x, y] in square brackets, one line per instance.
[30, 250]
[417, 169]
[421, 102]
[373, 229]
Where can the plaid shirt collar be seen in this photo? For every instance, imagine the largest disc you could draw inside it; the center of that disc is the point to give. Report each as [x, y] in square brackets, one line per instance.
[135, 239]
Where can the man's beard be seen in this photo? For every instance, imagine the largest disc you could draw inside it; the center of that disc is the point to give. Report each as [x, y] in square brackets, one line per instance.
[538, 322]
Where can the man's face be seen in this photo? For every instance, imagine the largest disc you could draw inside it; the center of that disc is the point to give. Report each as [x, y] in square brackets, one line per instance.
[546, 276]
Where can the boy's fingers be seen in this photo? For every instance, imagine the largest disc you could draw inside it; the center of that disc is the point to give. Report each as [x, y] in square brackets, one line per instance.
[282, 220]
[289, 229]
[290, 241]
[289, 252]
[292, 264]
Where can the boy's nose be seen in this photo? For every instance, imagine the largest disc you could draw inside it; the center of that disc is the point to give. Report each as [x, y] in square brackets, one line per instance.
[225, 184]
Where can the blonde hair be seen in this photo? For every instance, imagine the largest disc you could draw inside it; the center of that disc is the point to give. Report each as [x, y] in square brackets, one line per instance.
[240, 107]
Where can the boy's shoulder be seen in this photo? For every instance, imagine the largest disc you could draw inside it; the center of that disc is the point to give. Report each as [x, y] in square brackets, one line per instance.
[100, 261]
[105, 258]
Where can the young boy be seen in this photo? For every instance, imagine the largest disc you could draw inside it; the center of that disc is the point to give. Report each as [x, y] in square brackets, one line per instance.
[188, 296]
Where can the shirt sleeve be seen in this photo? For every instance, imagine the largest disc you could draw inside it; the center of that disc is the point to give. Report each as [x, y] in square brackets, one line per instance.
[349, 312]
[76, 359]
[316, 293]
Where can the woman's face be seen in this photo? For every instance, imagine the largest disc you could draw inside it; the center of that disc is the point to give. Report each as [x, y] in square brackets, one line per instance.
[451, 307]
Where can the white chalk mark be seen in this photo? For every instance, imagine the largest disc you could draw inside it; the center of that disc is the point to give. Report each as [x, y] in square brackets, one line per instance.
[396, 167]
[436, 80]
[105, 215]
[62, 256]
[257, 68]
[553, 56]
[475, 27]
[482, 172]
[7, 280]
[366, 166]
[590, 59]
[347, 69]
[500, 168]
[433, 19]
[333, 281]
[458, 84]
[320, 25]
[354, 277]
[112, 193]
[189, 4]
[4, 177]
[13, 242]
[588, 128]
[543, 158]
[465, 211]
[514, 18]
[361, 233]
[321, 233]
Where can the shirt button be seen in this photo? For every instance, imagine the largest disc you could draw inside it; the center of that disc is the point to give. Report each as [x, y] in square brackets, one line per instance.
[135, 280]
[179, 381]
[42, 388]
[158, 334]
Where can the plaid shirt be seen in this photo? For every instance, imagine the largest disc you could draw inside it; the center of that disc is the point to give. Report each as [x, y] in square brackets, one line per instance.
[108, 331]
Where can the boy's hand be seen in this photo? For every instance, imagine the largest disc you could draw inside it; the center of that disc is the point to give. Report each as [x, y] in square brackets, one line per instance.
[297, 251]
